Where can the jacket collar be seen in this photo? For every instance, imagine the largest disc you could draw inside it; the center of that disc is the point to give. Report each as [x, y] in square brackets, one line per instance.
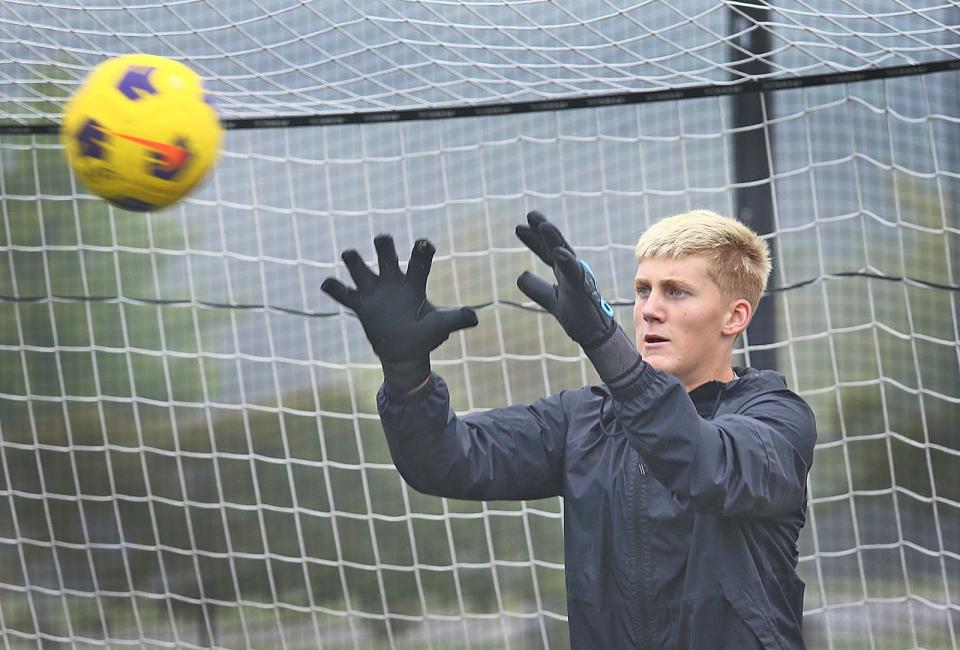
[706, 397]
[747, 382]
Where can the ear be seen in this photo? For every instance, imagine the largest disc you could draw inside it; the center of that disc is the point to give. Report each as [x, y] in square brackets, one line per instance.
[738, 317]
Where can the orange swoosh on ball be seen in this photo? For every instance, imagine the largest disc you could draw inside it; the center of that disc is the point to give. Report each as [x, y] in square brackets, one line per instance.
[173, 155]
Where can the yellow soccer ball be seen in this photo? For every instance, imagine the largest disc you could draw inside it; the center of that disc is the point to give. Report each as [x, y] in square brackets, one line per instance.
[141, 131]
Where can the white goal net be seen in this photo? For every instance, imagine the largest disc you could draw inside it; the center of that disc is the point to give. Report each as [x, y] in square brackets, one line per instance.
[190, 452]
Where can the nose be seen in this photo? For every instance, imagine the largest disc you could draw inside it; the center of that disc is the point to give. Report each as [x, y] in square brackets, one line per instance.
[652, 309]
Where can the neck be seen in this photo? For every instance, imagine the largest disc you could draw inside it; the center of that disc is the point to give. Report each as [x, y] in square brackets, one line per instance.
[722, 372]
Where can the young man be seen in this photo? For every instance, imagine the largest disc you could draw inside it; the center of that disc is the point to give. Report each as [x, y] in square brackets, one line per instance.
[684, 480]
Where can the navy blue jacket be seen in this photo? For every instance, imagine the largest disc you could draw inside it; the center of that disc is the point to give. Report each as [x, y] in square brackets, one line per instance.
[681, 510]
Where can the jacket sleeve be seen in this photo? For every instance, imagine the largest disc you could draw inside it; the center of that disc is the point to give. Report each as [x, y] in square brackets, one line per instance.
[751, 463]
[507, 453]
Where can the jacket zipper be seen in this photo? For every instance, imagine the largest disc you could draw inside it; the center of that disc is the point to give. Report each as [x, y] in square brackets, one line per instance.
[633, 545]
[642, 615]
[643, 559]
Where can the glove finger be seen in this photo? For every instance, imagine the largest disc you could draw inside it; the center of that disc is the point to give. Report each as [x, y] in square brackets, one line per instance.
[365, 279]
[568, 266]
[439, 323]
[421, 260]
[552, 238]
[539, 291]
[533, 241]
[535, 218]
[452, 319]
[341, 293]
[387, 256]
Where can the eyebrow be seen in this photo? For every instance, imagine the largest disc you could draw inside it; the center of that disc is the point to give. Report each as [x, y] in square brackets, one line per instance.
[669, 282]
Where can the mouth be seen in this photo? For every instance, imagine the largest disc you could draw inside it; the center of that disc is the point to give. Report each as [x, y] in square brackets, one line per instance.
[654, 341]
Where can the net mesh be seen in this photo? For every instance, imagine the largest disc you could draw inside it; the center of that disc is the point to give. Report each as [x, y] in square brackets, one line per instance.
[190, 453]
[269, 57]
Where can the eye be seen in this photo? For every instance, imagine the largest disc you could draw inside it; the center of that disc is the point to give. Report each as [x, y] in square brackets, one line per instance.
[678, 293]
[643, 291]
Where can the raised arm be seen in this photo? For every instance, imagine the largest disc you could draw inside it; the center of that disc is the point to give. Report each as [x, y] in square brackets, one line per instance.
[507, 453]
[510, 453]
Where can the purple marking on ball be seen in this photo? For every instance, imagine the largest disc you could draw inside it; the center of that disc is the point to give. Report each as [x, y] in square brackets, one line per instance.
[132, 204]
[136, 79]
[91, 138]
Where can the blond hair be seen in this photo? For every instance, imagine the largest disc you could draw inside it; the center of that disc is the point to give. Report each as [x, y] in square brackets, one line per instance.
[737, 259]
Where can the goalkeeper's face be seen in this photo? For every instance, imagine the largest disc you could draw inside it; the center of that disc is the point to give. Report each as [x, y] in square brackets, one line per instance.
[685, 323]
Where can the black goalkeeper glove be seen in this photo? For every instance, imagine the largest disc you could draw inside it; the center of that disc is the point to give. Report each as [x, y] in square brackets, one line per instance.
[575, 301]
[400, 323]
